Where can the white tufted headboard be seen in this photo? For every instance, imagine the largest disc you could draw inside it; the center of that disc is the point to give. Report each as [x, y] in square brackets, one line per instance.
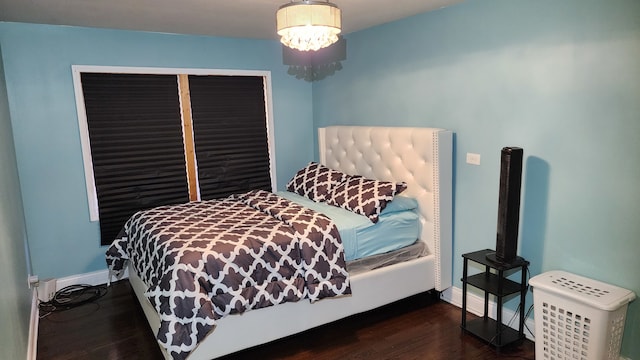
[421, 157]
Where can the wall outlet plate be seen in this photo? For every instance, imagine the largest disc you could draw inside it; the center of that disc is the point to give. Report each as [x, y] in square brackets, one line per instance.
[33, 281]
[46, 290]
[473, 159]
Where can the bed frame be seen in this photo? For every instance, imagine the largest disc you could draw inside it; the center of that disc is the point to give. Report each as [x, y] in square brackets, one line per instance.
[421, 157]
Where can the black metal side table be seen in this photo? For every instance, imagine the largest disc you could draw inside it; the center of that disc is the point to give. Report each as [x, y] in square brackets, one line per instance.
[494, 331]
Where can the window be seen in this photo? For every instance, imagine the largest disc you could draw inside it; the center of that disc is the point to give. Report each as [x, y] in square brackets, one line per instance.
[154, 137]
[229, 132]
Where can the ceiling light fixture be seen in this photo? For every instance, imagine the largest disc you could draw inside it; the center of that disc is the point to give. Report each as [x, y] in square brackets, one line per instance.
[308, 25]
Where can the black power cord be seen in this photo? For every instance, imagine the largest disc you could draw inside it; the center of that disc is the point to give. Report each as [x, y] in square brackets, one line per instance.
[72, 296]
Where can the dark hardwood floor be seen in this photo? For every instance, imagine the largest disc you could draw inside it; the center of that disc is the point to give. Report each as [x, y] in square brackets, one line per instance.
[421, 327]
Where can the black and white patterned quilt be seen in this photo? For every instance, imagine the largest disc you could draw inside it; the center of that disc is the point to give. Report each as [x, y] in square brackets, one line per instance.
[204, 260]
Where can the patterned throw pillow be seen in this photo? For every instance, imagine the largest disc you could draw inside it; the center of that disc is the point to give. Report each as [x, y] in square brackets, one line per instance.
[365, 196]
[315, 181]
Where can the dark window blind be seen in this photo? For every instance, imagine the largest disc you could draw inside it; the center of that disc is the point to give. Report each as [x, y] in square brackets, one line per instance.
[230, 134]
[136, 145]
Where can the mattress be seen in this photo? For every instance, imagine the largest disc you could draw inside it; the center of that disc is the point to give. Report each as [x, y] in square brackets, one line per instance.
[398, 226]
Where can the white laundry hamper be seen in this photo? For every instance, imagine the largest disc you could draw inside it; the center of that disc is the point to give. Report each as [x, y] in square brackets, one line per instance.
[577, 318]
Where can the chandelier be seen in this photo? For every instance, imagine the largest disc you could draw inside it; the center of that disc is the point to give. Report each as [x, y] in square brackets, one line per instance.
[308, 25]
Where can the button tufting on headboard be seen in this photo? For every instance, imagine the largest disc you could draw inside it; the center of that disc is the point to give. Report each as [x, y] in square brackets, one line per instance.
[399, 154]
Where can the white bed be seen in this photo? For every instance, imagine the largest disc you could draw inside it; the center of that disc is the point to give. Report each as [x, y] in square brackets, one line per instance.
[421, 157]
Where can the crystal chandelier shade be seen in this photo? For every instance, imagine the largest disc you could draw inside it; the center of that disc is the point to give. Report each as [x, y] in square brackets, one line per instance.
[308, 25]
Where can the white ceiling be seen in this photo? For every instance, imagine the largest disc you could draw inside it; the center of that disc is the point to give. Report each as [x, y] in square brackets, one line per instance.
[232, 18]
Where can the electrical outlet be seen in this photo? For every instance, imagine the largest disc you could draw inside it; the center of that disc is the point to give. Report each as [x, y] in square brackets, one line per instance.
[32, 281]
[47, 289]
[473, 159]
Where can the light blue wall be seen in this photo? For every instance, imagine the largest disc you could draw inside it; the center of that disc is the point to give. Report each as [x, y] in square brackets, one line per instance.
[15, 298]
[559, 78]
[37, 61]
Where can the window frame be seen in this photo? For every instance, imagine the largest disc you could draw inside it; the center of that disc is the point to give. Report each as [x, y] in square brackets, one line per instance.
[77, 70]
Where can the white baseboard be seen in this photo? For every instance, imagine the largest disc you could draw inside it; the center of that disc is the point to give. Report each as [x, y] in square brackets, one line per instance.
[34, 321]
[475, 305]
[93, 278]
